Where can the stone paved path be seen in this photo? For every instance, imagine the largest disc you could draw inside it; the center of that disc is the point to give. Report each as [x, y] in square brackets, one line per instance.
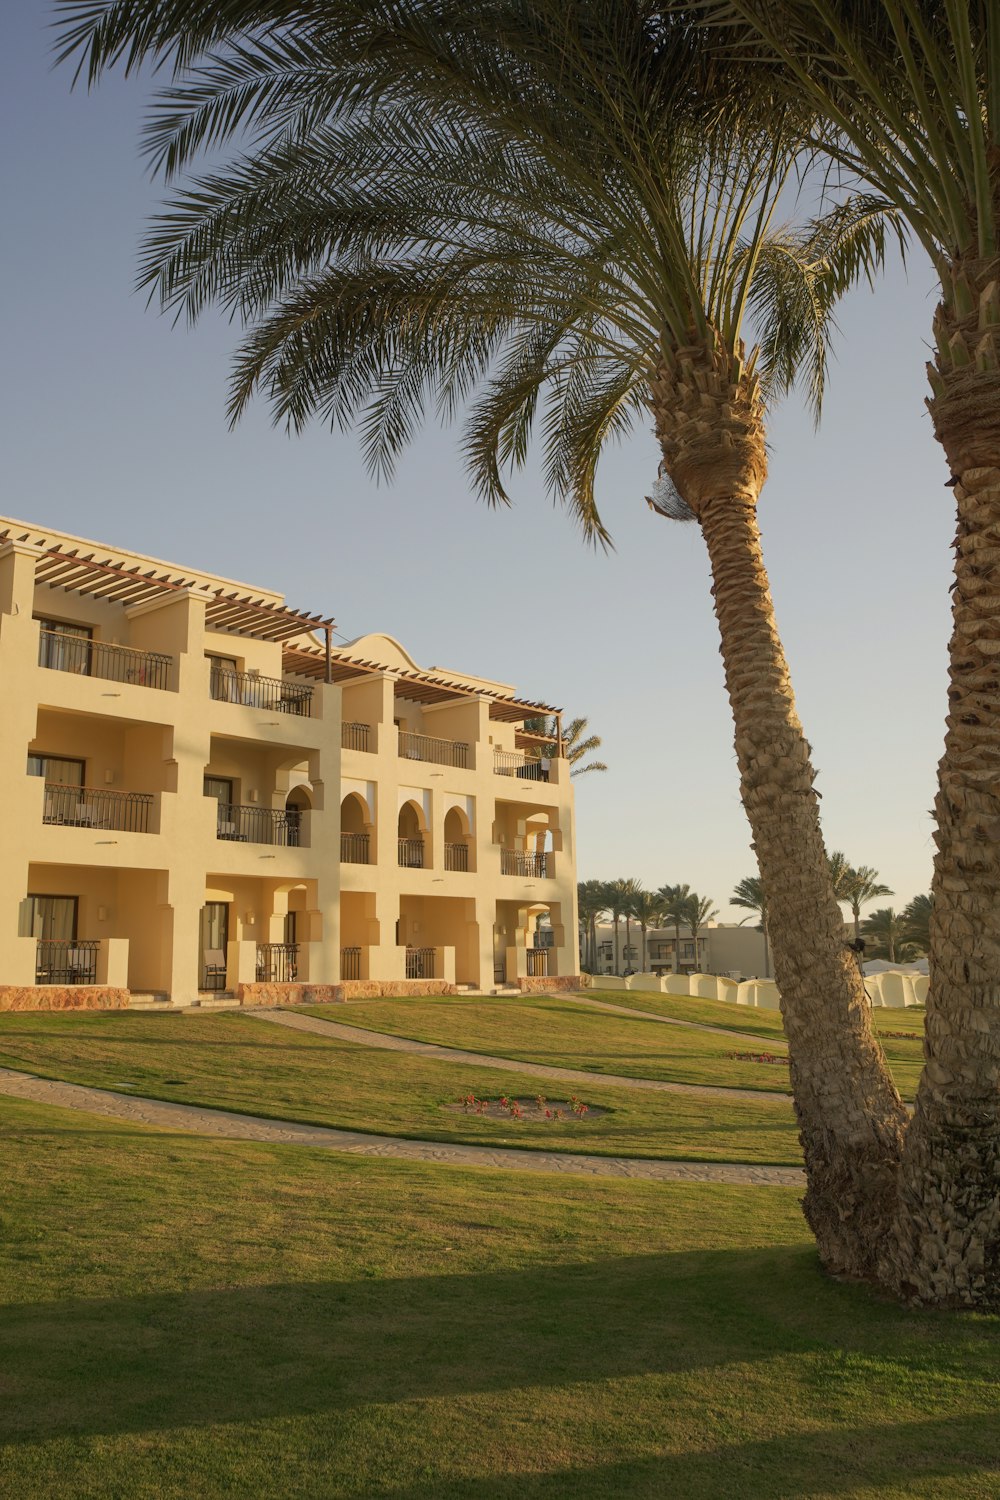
[764, 1044]
[388, 1043]
[163, 1115]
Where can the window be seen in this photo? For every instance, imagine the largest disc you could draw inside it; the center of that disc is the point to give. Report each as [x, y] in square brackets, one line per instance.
[52, 919]
[58, 770]
[64, 646]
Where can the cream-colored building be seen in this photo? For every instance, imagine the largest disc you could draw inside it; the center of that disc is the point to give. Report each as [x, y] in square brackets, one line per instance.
[204, 795]
[722, 948]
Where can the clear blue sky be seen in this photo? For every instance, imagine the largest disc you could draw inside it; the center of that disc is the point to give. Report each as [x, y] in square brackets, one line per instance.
[114, 426]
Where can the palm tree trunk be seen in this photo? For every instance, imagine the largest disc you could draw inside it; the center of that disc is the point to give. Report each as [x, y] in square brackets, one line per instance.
[947, 1247]
[850, 1116]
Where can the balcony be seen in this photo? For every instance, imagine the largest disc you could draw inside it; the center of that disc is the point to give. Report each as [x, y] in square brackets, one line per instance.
[411, 853]
[87, 658]
[258, 825]
[66, 961]
[350, 963]
[252, 691]
[420, 963]
[523, 862]
[456, 857]
[438, 752]
[514, 763]
[90, 807]
[354, 849]
[354, 736]
[277, 963]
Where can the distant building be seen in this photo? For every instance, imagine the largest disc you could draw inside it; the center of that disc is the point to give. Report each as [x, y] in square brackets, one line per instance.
[722, 948]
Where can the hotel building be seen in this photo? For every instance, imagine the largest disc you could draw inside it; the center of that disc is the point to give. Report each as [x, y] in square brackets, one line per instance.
[207, 799]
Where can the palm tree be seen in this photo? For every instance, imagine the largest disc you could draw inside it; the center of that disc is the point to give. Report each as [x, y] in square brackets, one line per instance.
[629, 889]
[749, 895]
[699, 910]
[906, 97]
[674, 899]
[917, 922]
[513, 210]
[858, 888]
[647, 908]
[592, 904]
[618, 896]
[887, 931]
[576, 742]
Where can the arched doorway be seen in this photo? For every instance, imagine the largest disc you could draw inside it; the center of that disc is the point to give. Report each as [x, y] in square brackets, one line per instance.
[412, 844]
[355, 831]
[457, 849]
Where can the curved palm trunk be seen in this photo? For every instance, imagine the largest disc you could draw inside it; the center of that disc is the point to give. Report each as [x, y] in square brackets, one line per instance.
[850, 1116]
[947, 1248]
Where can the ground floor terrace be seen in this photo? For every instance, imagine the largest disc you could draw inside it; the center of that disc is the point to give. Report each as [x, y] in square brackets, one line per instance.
[96, 936]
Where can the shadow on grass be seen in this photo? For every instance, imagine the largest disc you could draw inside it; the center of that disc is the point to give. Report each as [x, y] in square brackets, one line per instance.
[78, 1367]
[901, 1459]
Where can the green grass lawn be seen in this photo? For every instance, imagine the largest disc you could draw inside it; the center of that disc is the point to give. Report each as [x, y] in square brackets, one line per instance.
[188, 1319]
[236, 1062]
[905, 1056]
[560, 1033]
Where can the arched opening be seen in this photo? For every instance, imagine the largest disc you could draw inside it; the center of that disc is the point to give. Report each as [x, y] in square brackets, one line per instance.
[411, 836]
[355, 831]
[456, 840]
[297, 804]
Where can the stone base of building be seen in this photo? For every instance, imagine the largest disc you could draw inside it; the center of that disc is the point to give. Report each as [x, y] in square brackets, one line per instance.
[375, 989]
[62, 997]
[288, 994]
[549, 986]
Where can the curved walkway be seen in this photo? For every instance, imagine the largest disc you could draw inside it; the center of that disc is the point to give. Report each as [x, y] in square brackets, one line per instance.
[163, 1115]
[764, 1043]
[388, 1043]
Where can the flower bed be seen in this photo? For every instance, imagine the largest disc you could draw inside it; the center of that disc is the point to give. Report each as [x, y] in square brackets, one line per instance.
[760, 1057]
[537, 1110]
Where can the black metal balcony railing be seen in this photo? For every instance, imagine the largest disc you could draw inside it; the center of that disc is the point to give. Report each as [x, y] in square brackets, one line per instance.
[438, 752]
[456, 856]
[91, 807]
[499, 971]
[88, 658]
[258, 825]
[277, 963]
[420, 963]
[523, 862]
[355, 736]
[354, 848]
[538, 963]
[350, 963]
[252, 691]
[66, 961]
[411, 853]
[513, 763]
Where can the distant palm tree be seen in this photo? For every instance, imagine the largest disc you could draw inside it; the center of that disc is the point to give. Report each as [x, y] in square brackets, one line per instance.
[887, 931]
[592, 902]
[619, 896]
[839, 871]
[631, 888]
[576, 742]
[916, 917]
[860, 886]
[699, 911]
[647, 908]
[749, 895]
[674, 898]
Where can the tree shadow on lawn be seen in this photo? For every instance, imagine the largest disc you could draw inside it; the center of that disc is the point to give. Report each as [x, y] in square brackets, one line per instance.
[154, 1362]
[904, 1458]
